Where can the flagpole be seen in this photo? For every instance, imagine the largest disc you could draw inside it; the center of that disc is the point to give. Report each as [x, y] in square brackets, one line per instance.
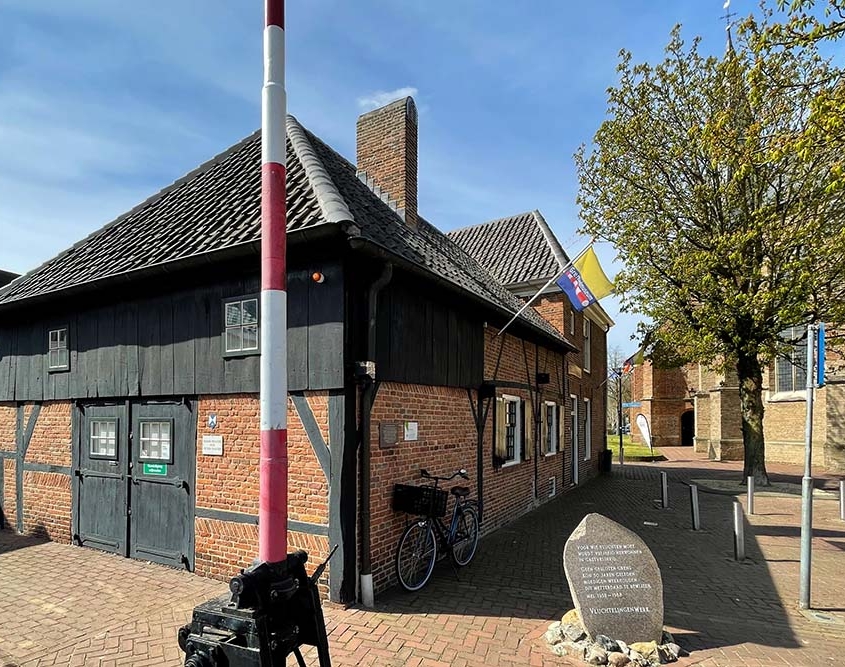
[545, 287]
[273, 456]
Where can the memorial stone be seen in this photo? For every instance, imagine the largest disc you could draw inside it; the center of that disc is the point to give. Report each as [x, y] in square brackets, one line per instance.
[614, 581]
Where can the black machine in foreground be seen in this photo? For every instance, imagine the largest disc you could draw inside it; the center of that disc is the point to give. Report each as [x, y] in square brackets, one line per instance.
[274, 609]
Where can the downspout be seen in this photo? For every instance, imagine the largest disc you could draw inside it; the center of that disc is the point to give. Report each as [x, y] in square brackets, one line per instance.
[367, 399]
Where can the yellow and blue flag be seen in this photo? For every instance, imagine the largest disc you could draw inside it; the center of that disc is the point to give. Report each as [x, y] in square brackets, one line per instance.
[585, 282]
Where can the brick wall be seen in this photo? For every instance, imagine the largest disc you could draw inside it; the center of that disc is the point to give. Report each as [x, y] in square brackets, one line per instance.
[446, 442]
[7, 444]
[47, 495]
[230, 483]
[664, 395]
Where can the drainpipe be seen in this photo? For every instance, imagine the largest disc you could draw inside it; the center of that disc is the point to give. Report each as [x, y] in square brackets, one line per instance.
[367, 398]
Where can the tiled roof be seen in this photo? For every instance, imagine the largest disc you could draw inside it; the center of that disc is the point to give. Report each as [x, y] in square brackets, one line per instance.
[518, 249]
[217, 206]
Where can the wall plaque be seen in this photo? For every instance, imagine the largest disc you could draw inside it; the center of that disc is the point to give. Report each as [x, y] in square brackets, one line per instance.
[388, 433]
[212, 445]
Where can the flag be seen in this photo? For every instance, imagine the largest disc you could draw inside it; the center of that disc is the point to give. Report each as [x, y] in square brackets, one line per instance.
[634, 360]
[584, 282]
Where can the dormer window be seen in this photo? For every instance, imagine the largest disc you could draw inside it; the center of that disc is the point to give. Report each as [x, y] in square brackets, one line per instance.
[58, 356]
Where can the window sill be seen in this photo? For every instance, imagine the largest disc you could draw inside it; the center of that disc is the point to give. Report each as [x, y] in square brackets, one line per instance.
[787, 397]
[239, 355]
[510, 464]
[548, 454]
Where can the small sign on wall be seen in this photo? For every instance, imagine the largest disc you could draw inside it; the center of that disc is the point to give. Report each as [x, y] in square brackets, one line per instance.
[388, 435]
[212, 445]
[411, 431]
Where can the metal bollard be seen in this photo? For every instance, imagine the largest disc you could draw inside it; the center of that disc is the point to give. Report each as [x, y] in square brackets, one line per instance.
[842, 499]
[739, 532]
[664, 490]
[750, 484]
[693, 501]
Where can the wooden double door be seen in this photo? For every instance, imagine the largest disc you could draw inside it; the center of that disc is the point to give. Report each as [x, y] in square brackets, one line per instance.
[134, 476]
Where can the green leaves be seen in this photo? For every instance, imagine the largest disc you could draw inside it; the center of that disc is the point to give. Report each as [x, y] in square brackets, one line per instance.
[720, 182]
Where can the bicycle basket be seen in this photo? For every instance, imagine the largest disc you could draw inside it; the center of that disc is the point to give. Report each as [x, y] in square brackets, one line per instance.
[420, 500]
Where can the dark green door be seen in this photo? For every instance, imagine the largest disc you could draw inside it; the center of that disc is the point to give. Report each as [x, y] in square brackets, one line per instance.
[101, 478]
[161, 518]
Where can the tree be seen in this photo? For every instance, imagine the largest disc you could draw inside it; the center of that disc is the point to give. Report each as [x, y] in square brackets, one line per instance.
[705, 181]
[615, 363]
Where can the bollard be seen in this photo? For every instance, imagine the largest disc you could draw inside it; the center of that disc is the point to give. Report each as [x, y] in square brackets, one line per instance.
[693, 501]
[739, 532]
[664, 490]
[750, 495]
[842, 500]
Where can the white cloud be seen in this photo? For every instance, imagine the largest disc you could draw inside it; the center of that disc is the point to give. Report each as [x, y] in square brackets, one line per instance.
[382, 97]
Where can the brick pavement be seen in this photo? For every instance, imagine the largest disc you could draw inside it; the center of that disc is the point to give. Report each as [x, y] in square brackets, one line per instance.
[89, 608]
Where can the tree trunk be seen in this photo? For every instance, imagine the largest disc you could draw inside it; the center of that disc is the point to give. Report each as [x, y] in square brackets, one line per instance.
[751, 400]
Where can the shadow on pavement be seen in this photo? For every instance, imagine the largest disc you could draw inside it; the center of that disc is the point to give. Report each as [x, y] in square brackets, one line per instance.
[711, 600]
[11, 541]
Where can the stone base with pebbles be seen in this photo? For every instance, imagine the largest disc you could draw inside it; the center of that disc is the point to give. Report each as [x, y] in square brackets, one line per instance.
[567, 637]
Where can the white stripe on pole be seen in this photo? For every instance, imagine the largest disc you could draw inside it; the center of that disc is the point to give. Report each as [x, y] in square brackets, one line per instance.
[273, 400]
[275, 99]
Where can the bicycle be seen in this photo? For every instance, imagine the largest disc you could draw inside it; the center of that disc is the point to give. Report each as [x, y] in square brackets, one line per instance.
[418, 546]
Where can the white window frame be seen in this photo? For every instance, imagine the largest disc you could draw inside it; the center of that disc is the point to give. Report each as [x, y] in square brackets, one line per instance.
[587, 345]
[571, 321]
[797, 357]
[573, 421]
[99, 438]
[163, 457]
[240, 326]
[58, 349]
[517, 434]
[588, 429]
[551, 429]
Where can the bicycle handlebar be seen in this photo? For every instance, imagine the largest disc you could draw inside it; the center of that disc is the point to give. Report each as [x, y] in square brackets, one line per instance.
[458, 473]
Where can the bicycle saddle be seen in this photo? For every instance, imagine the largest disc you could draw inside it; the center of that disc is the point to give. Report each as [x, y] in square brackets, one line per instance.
[460, 491]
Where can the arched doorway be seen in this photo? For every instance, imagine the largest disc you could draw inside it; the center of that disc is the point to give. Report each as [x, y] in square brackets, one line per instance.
[687, 428]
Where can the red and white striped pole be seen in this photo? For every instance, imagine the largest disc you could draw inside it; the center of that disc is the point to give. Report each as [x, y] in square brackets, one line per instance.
[273, 481]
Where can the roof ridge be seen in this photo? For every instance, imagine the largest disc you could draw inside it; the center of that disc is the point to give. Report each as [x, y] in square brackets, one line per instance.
[490, 222]
[332, 203]
[202, 168]
[557, 250]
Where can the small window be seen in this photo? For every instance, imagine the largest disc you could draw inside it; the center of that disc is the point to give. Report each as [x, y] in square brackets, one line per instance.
[587, 345]
[58, 357]
[571, 322]
[791, 368]
[155, 441]
[551, 428]
[103, 439]
[241, 326]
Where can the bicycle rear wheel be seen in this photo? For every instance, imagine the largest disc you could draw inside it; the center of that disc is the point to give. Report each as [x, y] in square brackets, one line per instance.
[416, 555]
[466, 537]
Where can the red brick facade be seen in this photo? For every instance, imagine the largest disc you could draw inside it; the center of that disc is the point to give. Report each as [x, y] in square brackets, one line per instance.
[664, 395]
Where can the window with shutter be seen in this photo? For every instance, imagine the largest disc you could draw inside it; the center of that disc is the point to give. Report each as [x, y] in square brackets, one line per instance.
[528, 432]
[509, 430]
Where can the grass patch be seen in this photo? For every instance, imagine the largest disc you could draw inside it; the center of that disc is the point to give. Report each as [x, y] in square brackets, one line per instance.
[631, 448]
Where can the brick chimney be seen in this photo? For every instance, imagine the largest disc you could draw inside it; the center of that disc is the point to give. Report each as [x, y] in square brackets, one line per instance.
[387, 153]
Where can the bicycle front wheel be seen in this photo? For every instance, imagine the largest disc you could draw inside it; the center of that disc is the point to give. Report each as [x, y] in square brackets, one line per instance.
[416, 555]
[466, 537]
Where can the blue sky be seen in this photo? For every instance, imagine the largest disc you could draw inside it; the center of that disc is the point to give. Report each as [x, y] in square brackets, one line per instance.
[103, 103]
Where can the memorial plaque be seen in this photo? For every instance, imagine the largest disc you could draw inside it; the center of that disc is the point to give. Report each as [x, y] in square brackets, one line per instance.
[614, 581]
